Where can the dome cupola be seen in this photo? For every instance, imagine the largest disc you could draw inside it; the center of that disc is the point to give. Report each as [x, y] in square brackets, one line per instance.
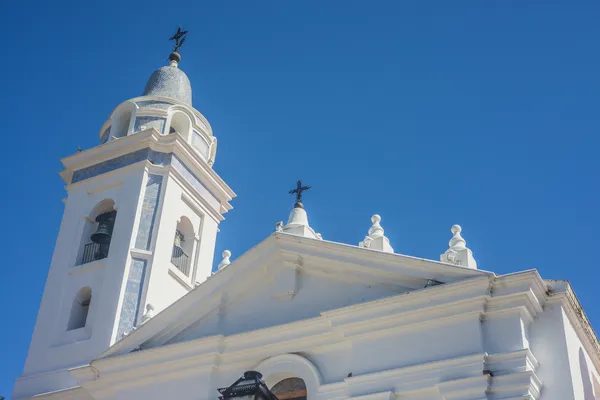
[170, 81]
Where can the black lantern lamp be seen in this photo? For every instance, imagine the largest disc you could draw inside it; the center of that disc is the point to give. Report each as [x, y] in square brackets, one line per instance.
[249, 387]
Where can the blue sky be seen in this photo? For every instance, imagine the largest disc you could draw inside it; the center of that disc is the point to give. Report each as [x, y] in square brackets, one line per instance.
[429, 113]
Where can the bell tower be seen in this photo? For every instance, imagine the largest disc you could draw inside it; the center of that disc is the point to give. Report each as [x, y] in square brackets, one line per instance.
[138, 230]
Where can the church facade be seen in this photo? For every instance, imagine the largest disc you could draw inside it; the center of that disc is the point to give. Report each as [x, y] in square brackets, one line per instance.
[131, 308]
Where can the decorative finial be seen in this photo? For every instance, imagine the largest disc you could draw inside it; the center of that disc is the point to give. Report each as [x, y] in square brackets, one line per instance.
[149, 313]
[458, 253]
[298, 192]
[279, 226]
[376, 230]
[79, 149]
[457, 242]
[179, 39]
[225, 261]
[376, 239]
[297, 223]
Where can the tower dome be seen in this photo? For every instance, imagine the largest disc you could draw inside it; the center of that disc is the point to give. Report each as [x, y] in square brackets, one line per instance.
[169, 81]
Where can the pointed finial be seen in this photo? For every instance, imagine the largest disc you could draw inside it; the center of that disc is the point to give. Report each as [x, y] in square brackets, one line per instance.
[225, 261]
[149, 313]
[376, 239]
[458, 253]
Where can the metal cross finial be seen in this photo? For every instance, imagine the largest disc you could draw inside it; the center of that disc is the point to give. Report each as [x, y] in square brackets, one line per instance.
[298, 192]
[179, 39]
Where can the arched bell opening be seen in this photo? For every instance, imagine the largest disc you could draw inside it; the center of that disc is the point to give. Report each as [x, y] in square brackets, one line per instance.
[121, 120]
[183, 246]
[181, 124]
[97, 232]
[80, 309]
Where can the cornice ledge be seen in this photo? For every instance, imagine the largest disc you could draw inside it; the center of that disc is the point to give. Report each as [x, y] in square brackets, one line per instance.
[84, 374]
[331, 391]
[376, 396]
[530, 278]
[412, 298]
[399, 319]
[413, 372]
[513, 362]
[111, 149]
[151, 112]
[276, 348]
[71, 393]
[194, 161]
[419, 325]
[199, 348]
[138, 375]
[524, 312]
[475, 388]
[524, 385]
[435, 269]
[312, 326]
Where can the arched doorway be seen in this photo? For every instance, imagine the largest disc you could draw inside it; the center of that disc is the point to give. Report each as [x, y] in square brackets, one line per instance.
[290, 389]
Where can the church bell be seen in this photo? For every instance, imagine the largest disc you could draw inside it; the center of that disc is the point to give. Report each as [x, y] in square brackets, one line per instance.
[105, 222]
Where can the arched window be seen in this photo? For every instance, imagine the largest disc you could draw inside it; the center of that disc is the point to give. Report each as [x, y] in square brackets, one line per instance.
[290, 389]
[181, 124]
[183, 245]
[97, 232]
[80, 308]
[121, 119]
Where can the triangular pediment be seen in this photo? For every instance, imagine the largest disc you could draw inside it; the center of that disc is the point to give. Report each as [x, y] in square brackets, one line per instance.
[285, 279]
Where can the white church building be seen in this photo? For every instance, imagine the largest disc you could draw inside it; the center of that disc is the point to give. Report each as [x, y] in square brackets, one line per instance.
[132, 310]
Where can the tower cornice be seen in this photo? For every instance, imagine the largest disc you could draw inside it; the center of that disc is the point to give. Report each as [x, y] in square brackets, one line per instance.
[165, 146]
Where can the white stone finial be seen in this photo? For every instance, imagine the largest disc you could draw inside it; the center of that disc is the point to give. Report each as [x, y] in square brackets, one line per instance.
[376, 239]
[225, 261]
[457, 242]
[376, 230]
[458, 253]
[149, 313]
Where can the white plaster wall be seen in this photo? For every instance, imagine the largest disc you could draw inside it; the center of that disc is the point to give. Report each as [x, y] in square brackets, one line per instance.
[316, 293]
[206, 252]
[548, 344]
[584, 375]
[419, 346]
[504, 332]
[166, 283]
[416, 346]
[52, 347]
[376, 359]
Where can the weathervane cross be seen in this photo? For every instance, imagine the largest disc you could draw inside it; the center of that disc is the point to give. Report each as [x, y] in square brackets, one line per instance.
[179, 39]
[298, 192]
